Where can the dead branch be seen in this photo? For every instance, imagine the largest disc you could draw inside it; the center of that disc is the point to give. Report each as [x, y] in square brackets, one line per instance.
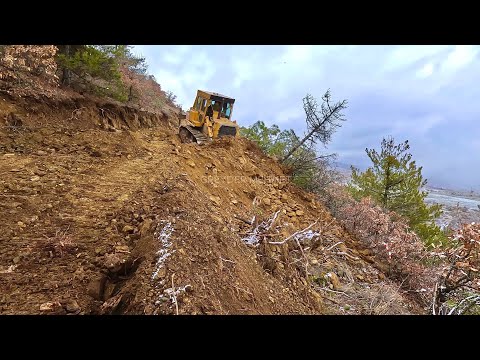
[74, 113]
[245, 291]
[347, 255]
[226, 260]
[469, 301]
[336, 292]
[301, 232]
[331, 247]
[305, 257]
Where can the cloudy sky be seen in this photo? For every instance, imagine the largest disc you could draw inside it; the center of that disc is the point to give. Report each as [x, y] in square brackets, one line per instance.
[429, 95]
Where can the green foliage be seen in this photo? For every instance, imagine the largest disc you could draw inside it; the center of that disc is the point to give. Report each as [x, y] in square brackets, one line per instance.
[91, 61]
[99, 67]
[395, 182]
[305, 168]
[267, 138]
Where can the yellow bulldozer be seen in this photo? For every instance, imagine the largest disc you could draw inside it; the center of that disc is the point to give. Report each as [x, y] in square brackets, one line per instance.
[209, 118]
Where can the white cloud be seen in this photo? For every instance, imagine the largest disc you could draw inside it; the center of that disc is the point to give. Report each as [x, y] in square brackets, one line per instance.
[425, 71]
[195, 70]
[461, 56]
[289, 115]
[298, 54]
[417, 125]
[244, 71]
[177, 55]
[404, 56]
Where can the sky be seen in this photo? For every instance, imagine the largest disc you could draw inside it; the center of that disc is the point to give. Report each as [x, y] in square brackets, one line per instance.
[427, 94]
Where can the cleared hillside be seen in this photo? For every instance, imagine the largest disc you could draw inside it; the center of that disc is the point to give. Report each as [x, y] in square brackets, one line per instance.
[105, 211]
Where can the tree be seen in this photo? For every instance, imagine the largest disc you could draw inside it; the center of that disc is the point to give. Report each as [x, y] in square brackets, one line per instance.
[321, 122]
[108, 70]
[395, 182]
[271, 140]
[308, 170]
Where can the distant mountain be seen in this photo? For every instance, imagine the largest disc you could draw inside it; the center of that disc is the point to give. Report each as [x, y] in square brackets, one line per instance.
[342, 165]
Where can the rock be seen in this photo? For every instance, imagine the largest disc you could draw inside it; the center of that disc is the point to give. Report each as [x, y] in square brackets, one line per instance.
[48, 306]
[72, 307]
[35, 178]
[122, 249]
[334, 280]
[21, 224]
[55, 308]
[161, 272]
[96, 287]
[314, 261]
[41, 153]
[128, 229]
[267, 201]
[40, 173]
[299, 213]
[145, 227]
[190, 163]
[234, 202]
[284, 198]
[109, 290]
[115, 262]
[17, 259]
[360, 277]
[215, 199]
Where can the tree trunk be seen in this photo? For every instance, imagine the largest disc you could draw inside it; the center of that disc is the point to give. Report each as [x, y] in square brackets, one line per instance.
[387, 186]
[292, 150]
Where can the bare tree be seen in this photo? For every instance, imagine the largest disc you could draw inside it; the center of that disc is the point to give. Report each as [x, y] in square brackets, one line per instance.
[461, 277]
[322, 121]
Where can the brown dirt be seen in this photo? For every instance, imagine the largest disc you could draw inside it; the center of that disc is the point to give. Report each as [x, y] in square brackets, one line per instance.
[104, 211]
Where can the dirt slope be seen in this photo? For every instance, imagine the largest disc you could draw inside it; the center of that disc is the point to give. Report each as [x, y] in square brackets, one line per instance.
[104, 211]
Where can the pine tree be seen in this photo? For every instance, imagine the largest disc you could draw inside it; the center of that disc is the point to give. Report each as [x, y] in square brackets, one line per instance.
[395, 182]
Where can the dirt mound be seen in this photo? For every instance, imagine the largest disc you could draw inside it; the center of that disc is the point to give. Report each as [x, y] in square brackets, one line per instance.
[106, 212]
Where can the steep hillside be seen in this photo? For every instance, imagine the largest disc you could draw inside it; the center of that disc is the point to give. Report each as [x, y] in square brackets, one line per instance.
[105, 211]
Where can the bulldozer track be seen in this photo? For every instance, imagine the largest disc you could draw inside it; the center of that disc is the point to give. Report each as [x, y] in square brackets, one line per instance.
[200, 137]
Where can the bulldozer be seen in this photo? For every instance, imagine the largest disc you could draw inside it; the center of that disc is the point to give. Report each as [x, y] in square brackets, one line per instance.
[209, 118]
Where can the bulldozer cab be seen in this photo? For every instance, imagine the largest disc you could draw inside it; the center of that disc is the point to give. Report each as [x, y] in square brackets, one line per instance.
[222, 109]
[221, 105]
